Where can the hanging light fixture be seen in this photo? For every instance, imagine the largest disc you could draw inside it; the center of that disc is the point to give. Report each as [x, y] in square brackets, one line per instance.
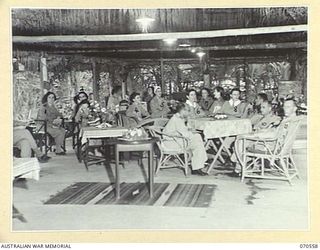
[170, 41]
[145, 23]
[184, 45]
[200, 54]
[193, 50]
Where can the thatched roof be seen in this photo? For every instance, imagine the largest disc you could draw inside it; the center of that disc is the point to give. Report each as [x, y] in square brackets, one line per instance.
[62, 22]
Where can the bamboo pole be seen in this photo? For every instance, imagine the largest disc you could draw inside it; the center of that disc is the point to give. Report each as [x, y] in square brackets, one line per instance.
[95, 79]
[160, 36]
[163, 89]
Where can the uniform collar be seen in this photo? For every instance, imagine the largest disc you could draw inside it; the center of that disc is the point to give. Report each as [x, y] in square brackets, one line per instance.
[194, 105]
[236, 103]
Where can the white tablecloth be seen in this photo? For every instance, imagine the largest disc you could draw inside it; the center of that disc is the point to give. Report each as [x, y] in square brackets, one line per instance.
[26, 168]
[221, 128]
[94, 133]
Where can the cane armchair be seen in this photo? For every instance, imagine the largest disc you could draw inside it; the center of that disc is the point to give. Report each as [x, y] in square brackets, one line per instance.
[180, 152]
[269, 156]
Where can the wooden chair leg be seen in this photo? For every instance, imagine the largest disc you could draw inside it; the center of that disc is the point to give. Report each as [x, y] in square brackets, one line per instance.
[186, 164]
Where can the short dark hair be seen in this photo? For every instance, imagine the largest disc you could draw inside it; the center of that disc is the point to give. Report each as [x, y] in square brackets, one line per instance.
[219, 89]
[83, 93]
[263, 96]
[291, 99]
[116, 89]
[191, 90]
[151, 87]
[44, 99]
[133, 96]
[180, 106]
[235, 89]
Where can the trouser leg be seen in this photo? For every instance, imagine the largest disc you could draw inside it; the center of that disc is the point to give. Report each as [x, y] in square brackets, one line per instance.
[58, 135]
[199, 154]
[25, 148]
[25, 141]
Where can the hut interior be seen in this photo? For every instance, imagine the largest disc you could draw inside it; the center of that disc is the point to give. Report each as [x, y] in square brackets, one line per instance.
[68, 50]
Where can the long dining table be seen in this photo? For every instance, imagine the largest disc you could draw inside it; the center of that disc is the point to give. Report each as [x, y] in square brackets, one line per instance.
[220, 129]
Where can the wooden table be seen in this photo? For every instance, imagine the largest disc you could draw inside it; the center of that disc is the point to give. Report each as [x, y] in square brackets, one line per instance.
[98, 133]
[91, 133]
[220, 130]
[137, 145]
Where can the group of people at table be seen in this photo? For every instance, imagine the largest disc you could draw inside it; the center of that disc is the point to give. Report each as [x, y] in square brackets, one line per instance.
[261, 114]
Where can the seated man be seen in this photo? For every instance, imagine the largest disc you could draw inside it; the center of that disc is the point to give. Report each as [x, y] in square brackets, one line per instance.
[266, 119]
[176, 126]
[23, 139]
[270, 131]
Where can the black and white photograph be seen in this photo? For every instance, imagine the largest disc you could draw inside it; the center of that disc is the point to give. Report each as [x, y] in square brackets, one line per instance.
[159, 119]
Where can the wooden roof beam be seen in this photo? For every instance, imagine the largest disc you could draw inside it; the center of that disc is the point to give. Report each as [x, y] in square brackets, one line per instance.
[288, 45]
[160, 36]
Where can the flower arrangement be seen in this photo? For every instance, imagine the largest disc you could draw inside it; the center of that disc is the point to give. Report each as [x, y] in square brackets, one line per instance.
[97, 113]
[136, 134]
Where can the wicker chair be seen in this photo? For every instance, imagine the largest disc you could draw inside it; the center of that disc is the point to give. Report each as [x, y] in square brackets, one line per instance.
[167, 154]
[269, 157]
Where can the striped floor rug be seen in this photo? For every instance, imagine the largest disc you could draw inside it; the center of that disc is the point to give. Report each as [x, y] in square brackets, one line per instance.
[165, 194]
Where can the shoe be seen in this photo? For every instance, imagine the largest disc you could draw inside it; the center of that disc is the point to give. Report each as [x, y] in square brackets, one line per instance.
[61, 153]
[230, 164]
[44, 159]
[234, 174]
[198, 172]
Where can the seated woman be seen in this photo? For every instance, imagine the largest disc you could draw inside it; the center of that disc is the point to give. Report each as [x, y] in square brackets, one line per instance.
[49, 113]
[82, 115]
[177, 126]
[115, 99]
[77, 99]
[136, 110]
[206, 100]
[158, 105]
[234, 107]
[218, 94]
[261, 97]
[148, 95]
[195, 109]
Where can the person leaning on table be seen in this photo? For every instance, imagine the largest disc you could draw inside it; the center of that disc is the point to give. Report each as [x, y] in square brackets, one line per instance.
[49, 113]
[234, 107]
[177, 126]
[218, 95]
[158, 105]
[206, 100]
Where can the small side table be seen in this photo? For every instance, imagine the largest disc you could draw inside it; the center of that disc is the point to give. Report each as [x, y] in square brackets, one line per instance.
[137, 145]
